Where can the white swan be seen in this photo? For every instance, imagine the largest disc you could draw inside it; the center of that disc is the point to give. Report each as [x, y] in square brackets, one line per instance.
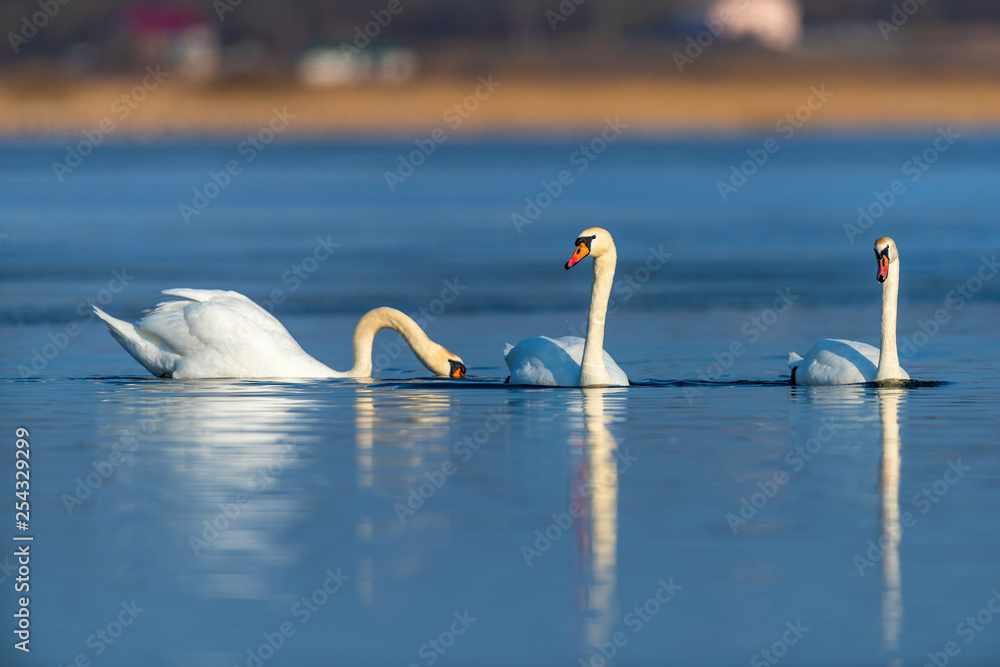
[218, 334]
[832, 361]
[572, 361]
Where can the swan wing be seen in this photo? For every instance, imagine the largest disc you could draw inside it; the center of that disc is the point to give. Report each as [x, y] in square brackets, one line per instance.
[574, 345]
[197, 321]
[235, 302]
[554, 362]
[617, 375]
[545, 361]
[220, 334]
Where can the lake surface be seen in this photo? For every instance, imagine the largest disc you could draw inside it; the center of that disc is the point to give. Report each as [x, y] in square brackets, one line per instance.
[709, 515]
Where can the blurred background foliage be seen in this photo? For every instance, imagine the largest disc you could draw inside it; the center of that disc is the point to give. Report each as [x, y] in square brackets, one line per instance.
[271, 36]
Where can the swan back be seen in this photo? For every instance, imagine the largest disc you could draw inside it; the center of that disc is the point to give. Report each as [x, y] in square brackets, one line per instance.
[215, 334]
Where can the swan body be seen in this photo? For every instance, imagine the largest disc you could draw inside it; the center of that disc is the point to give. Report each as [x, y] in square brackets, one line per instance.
[571, 361]
[834, 361]
[554, 362]
[222, 334]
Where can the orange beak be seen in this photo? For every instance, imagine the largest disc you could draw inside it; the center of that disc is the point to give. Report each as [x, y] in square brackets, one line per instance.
[883, 266]
[581, 251]
[457, 369]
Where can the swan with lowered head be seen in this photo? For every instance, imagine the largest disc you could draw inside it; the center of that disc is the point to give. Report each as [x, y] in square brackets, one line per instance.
[832, 362]
[220, 334]
[572, 361]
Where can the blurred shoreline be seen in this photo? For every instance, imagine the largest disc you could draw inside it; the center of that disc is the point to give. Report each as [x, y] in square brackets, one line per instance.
[470, 92]
[516, 104]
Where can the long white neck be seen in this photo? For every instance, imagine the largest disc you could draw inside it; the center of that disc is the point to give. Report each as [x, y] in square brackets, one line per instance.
[387, 318]
[592, 370]
[888, 361]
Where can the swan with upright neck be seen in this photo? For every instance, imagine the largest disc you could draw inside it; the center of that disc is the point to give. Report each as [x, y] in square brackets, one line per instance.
[833, 361]
[572, 361]
[222, 334]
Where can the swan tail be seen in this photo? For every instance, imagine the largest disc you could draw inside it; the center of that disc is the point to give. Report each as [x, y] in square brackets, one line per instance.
[145, 348]
[793, 364]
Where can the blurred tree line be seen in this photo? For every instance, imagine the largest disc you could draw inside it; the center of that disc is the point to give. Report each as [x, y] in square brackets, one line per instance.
[284, 28]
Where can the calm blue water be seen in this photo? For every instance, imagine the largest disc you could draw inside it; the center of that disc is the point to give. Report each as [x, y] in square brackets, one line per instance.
[711, 515]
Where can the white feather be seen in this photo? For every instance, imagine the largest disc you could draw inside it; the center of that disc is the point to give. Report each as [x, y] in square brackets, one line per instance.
[554, 362]
[834, 361]
[213, 334]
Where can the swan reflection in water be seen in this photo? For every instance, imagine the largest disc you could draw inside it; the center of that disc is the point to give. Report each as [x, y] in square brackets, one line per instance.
[853, 402]
[417, 420]
[392, 434]
[225, 456]
[594, 488]
[892, 594]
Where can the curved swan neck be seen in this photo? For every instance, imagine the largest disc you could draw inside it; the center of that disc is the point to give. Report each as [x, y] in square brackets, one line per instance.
[386, 318]
[592, 370]
[888, 361]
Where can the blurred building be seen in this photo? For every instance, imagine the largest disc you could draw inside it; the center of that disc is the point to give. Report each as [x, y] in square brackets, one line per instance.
[181, 38]
[206, 39]
[776, 24]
